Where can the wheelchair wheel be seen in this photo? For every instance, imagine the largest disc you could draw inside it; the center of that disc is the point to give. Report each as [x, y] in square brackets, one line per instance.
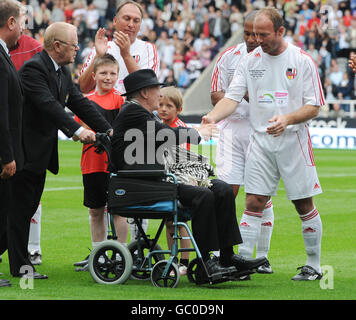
[139, 251]
[192, 270]
[170, 280]
[110, 263]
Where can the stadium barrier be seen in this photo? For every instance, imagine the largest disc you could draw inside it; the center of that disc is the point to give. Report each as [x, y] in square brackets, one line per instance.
[328, 107]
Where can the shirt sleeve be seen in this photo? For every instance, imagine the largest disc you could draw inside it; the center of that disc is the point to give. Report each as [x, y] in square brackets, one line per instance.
[89, 60]
[6, 150]
[152, 61]
[219, 79]
[238, 86]
[312, 89]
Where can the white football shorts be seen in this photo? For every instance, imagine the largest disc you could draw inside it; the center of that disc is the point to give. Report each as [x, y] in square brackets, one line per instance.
[288, 157]
[231, 150]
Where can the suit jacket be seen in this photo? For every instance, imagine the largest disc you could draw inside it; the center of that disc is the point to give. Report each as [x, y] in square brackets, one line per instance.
[224, 26]
[44, 112]
[11, 100]
[140, 139]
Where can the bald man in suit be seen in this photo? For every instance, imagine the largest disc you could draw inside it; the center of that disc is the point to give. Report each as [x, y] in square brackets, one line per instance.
[48, 88]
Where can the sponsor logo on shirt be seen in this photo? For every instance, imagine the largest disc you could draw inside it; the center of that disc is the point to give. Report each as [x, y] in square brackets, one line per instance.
[266, 98]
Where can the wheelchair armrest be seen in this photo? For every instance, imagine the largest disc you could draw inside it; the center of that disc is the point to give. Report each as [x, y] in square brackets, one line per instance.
[141, 173]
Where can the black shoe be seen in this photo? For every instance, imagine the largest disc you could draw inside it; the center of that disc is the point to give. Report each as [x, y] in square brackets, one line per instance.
[81, 263]
[307, 273]
[32, 275]
[37, 275]
[5, 283]
[215, 272]
[245, 266]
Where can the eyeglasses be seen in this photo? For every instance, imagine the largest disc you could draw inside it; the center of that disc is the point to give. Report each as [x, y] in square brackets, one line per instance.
[74, 46]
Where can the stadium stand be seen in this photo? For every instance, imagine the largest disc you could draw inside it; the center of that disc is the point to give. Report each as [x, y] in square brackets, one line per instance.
[189, 34]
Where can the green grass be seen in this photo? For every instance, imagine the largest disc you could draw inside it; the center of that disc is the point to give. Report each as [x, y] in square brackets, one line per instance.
[66, 237]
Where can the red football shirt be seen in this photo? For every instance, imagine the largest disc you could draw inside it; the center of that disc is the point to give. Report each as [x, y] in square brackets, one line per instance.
[179, 123]
[26, 48]
[91, 161]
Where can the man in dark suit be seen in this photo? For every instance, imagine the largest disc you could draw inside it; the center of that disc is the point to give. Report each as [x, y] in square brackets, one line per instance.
[213, 211]
[12, 21]
[48, 88]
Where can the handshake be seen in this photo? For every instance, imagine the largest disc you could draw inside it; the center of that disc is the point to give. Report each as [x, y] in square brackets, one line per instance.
[207, 129]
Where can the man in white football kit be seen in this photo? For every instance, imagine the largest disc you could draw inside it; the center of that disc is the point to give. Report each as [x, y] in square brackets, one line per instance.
[284, 93]
[233, 143]
[131, 53]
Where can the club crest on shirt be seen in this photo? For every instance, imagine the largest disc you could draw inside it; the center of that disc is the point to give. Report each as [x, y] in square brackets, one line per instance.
[136, 58]
[291, 73]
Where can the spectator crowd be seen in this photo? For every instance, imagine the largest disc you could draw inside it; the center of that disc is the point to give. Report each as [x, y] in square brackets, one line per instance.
[189, 34]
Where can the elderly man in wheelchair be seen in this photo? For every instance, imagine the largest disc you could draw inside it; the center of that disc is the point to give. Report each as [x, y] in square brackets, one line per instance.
[139, 149]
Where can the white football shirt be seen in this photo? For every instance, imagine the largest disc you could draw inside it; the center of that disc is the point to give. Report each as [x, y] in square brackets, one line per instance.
[223, 73]
[144, 53]
[276, 84]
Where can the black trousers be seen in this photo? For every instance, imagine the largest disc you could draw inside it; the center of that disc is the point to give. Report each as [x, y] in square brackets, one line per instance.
[5, 203]
[26, 190]
[213, 214]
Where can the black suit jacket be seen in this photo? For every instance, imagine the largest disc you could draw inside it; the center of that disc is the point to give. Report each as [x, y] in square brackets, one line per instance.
[140, 138]
[44, 112]
[11, 100]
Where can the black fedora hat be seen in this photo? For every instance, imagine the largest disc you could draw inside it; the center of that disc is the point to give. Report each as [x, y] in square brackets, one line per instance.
[140, 79]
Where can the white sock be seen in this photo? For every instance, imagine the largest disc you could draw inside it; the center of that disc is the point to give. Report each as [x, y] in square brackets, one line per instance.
[250, 228]
[264, 240]
[312, 231]
[216, 253]
[34, 239]
[134, 228]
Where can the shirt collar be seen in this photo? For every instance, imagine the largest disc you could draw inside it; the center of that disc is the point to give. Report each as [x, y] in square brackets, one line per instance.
[2, 42]
[56, 66]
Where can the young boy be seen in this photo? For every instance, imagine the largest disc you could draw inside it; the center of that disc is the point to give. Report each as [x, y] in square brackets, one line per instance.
[170, 106]
[94, 165]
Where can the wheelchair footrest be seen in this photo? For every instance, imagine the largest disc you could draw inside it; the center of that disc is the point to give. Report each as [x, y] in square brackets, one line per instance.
[237, 275]
[220, 277]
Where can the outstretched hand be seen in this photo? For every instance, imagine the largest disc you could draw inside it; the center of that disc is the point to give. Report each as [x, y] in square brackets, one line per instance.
[208, 130]
[101, 42]
[207, 119]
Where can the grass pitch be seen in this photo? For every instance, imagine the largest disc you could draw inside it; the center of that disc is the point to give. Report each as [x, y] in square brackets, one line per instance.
[66, 238]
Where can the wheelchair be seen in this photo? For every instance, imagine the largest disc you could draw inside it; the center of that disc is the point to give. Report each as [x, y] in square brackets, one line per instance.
[144, 194]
